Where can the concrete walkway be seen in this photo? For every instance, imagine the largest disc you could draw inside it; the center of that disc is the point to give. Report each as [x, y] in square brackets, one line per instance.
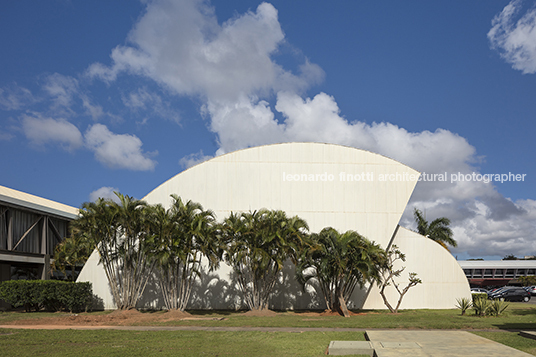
[437, 343]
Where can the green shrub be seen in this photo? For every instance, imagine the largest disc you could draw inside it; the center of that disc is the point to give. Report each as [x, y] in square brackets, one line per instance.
[46, 294]
[463, 304]
[479, 296]
[481, 306]
[497, 307]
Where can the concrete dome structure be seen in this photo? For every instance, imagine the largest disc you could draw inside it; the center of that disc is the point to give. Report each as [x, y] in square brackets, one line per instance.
[327, 185]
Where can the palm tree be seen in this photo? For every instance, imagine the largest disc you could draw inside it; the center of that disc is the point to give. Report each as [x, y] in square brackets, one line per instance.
[118, 230]
[70, 253]
[181, 236]
[135, 259]
[438, 230]
[340, 262]
[257, 245]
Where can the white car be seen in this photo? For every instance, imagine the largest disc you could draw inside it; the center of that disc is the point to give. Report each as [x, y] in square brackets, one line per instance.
[531, 289]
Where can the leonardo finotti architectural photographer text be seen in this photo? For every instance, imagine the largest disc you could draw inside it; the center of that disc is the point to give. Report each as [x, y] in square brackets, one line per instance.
[400, 177]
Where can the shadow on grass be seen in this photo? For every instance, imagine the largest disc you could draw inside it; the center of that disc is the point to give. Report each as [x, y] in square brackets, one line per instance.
[212, 312]
[524, 312]
[517, 326]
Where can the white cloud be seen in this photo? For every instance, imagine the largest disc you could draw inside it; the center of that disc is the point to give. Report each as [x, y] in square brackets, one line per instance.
[181, 46]
[6, 136]
[516, 41]
[194, 159]
[143, 100]
[40, 131]
[15, 97]
[61, 88]
[65, 90]
[243, 123]
[121, 151]
[104, 192]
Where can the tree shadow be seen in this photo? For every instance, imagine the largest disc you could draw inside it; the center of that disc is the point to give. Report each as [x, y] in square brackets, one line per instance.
[96, 303]
[516, 326]
[289, 294]
[212, 292]
[152, 295]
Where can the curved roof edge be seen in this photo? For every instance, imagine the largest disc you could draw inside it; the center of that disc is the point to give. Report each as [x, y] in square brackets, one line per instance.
[275, 144]
[26, 200]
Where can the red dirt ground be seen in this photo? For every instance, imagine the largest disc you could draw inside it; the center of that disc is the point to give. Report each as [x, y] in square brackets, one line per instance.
[135, 317]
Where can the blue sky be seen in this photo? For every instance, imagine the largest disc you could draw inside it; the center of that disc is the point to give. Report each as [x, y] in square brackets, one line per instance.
[100, 96]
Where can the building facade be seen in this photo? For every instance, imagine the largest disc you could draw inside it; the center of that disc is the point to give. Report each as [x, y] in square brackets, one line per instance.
[30, 229]
[328, 186]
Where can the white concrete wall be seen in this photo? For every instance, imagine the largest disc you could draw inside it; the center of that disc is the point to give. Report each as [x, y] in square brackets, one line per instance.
[443, 280]
[256, 178]
[94, 273]
[252, 178]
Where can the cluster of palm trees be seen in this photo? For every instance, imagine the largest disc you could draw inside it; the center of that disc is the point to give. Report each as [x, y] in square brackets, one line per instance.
[136, 241]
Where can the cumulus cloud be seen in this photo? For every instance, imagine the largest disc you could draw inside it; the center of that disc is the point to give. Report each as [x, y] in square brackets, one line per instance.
[180, 45]
[515, 40]
[144, 100]
[41, 130]
[64, 91]
[252, 100]
[118, 150]
[194, 159]
[105, 192]
[15, 97]
[5, 136]
[61, 88]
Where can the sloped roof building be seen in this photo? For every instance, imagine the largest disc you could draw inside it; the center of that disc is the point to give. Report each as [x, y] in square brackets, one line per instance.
[30, 229]
[327, 185]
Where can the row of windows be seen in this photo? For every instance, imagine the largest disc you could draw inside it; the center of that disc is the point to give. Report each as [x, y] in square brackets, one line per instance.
[497, 273]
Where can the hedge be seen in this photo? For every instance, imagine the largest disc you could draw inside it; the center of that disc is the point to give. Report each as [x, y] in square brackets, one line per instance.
[52, 295]
[479, 296]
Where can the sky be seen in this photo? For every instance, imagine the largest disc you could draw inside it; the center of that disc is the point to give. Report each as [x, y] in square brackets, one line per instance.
[106, 96]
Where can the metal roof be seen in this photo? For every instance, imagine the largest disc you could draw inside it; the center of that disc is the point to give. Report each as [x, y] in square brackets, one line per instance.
[497, 264]
[35, 203]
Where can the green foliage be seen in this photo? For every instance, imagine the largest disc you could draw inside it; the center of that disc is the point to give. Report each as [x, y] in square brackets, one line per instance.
[477, 296]
[481, 306]
[339, 263]
[180, 236]
[257, 245]
[71, 252]
[119, 231]
[438, 230]
[46, 294]
[464, 304]
[497, 307]
[509, 257]
[529, 280]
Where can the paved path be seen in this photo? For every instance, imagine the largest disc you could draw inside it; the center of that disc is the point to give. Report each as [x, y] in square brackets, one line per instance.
[437, 343]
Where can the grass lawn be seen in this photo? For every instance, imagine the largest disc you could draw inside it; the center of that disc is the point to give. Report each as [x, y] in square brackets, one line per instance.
[167, 343]
[14, 342]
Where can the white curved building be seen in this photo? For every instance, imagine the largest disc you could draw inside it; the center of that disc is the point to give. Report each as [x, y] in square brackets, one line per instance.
[327, 185]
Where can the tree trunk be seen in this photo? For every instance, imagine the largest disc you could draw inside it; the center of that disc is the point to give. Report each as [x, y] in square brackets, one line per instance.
[341, 304]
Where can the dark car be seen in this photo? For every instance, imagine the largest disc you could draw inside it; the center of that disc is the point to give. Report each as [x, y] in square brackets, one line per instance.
[512, 294]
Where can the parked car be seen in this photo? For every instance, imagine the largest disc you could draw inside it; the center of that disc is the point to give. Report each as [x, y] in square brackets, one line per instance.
[479, 290]
[531, 290]
[511, 294]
